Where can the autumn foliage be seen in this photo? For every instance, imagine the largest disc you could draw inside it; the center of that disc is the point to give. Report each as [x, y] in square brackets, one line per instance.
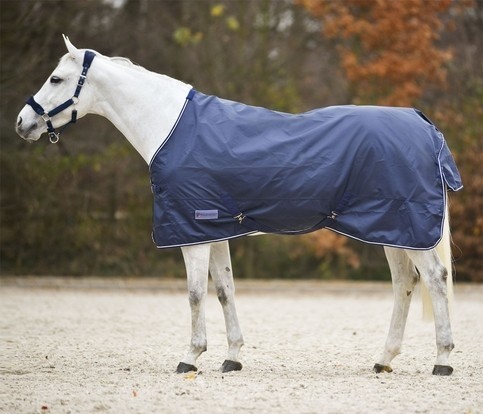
[390, 55]
[388, 47]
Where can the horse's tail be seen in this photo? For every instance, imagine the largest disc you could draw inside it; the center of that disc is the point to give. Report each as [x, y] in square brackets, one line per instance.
[444, 251]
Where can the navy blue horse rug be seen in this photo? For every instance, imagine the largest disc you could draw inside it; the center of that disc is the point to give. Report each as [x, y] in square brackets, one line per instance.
[376, 174]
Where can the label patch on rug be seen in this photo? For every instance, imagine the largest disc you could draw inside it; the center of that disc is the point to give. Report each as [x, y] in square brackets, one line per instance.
[206, 214]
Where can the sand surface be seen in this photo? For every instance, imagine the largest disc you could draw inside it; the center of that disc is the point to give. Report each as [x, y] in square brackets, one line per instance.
[111, 346]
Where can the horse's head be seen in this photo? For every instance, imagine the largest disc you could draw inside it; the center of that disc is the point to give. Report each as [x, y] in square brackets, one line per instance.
[59, 102]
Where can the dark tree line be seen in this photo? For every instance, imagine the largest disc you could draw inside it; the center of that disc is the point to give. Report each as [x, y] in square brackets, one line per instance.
[83, 206]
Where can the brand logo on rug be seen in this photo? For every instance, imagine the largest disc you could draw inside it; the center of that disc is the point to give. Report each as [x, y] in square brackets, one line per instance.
[206, 214]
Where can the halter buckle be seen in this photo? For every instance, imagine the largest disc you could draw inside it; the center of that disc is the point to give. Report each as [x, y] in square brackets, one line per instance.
[82, 80]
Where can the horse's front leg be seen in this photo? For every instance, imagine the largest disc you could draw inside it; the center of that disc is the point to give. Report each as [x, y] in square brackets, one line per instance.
[196, 260]
[222, 275]
[404, 278]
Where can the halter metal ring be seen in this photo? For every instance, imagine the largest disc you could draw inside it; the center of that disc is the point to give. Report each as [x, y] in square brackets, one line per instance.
[54, 137]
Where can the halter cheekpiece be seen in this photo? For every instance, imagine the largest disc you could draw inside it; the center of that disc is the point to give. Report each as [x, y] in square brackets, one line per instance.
[46, 116]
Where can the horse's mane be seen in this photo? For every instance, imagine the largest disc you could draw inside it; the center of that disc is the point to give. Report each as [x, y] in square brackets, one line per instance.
[122, 61]
[116, 59]
[127, 62]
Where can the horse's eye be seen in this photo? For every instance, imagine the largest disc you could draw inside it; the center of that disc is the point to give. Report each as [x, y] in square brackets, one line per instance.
[55, 79]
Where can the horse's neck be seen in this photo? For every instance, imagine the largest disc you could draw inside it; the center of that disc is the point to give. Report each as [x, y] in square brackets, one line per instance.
[143, 105]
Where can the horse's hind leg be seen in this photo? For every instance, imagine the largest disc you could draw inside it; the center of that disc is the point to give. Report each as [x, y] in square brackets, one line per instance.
[404, 278]
[434, 274]
[196, 260]
[222, 275]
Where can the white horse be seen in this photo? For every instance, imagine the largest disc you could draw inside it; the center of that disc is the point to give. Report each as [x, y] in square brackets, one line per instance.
[145, 106]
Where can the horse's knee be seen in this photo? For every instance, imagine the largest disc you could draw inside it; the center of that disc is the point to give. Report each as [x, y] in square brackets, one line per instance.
[222, 297]
[223, 294]
[195, 296]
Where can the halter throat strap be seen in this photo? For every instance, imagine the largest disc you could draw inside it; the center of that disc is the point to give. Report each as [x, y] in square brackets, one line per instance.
[54, 136]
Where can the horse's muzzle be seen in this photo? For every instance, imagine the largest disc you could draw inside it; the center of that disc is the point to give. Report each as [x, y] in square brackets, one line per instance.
[26, 131]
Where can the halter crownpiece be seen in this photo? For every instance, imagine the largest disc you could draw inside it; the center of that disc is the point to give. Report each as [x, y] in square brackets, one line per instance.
[46, 116]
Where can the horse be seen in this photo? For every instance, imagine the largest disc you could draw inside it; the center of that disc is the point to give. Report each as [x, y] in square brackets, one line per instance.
[146, 107]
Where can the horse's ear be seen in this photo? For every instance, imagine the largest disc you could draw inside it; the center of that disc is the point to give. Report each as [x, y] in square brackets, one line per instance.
[73, 51]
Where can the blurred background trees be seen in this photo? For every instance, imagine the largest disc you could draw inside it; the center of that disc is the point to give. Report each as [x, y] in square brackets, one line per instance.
[83, 206]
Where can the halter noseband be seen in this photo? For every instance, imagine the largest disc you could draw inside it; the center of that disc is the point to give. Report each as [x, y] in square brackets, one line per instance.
[46, 116]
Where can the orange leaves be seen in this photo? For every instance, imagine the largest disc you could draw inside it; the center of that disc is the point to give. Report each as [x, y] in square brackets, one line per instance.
[330, 246]
[387, 48]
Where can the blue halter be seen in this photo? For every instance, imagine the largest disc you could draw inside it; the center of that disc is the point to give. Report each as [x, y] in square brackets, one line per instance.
[46, 116]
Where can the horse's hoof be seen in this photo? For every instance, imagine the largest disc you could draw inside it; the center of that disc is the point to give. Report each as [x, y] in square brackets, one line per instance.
[231, 366]
[442, 370]
[378, 368]
[184, 368]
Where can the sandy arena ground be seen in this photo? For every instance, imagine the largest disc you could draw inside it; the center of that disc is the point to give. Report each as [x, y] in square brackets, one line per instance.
[111, 346]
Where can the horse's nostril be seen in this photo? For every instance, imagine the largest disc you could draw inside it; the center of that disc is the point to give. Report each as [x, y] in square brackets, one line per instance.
[19, 121]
